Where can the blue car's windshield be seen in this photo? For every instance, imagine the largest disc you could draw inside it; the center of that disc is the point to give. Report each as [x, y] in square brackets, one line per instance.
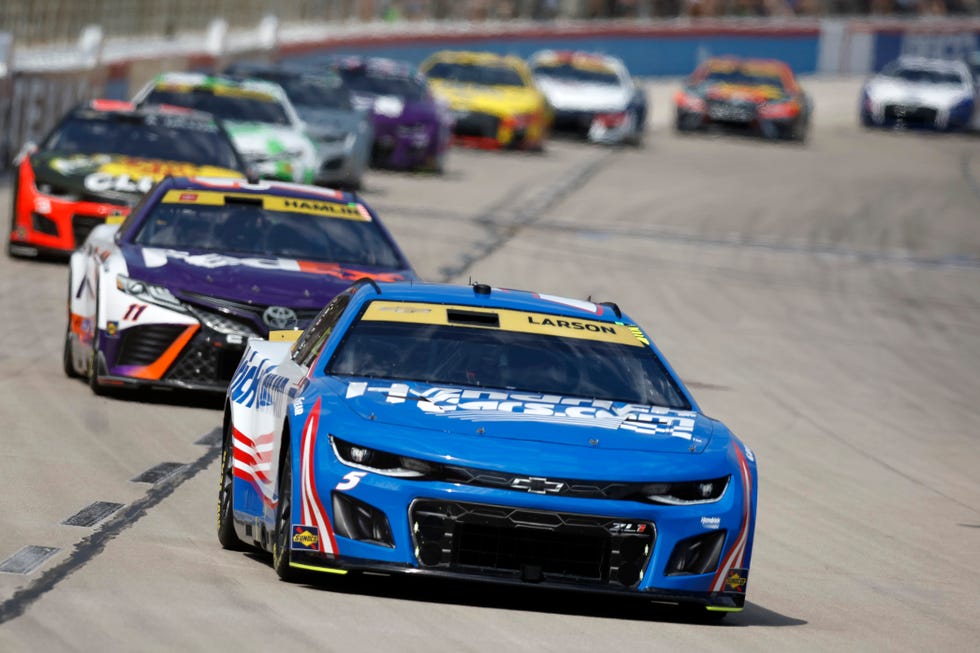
[472, 355]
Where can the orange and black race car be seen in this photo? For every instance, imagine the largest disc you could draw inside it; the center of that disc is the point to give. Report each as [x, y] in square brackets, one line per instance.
[100, 160]
[757, 96]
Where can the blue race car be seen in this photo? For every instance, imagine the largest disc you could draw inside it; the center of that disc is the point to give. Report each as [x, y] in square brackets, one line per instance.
[481, 433]
[169, 297]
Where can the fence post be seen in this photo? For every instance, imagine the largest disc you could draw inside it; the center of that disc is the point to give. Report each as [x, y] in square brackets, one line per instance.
[6, 98]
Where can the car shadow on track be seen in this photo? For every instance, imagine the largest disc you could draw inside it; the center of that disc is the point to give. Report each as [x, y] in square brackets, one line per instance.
[166, 397]
[528, 598]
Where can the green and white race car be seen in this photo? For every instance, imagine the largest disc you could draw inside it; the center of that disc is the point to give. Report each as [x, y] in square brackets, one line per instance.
[263, 124]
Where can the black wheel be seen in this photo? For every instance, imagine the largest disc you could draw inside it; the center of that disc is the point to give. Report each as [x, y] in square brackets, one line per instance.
[437, 162]
[226, 506]
[282, 537]
[67, 360]
[681, 125]
[798, 131]
[95, 364]
[638, 137]
[11, 250]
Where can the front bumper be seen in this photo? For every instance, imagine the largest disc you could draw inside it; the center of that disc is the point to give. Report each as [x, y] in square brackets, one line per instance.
[589, 125]
[740, 121]
[47, 225]
[318, 562]
[338, 165]
[146, 345]
[916, 116]
[405, 146]
[492, 131]
[518, 537]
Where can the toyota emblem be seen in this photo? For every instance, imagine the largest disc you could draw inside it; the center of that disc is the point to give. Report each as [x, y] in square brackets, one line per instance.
[279, 317]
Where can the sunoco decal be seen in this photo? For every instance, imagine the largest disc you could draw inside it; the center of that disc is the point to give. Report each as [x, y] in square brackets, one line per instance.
[306, 538]
[737, 580]
[500, 406]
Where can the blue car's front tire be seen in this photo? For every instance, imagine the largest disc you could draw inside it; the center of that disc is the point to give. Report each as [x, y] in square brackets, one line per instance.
[281, 540]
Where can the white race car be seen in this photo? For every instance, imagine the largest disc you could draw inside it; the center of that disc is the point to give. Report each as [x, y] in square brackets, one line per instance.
[592, 95]
[258, 115]
[919, 92]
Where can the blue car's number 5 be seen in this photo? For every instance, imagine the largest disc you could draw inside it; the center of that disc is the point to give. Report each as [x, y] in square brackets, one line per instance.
[351, 479]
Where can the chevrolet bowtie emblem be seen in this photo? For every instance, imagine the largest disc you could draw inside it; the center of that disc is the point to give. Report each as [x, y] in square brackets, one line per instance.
[537, 485]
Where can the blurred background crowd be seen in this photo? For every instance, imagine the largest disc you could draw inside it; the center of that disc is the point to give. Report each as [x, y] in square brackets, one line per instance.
[36, 22]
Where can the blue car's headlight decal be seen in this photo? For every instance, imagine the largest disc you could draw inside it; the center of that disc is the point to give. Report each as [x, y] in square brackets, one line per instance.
[689, 493]
[382, 462]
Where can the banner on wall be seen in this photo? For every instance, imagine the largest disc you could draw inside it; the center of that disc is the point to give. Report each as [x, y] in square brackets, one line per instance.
[944, 44]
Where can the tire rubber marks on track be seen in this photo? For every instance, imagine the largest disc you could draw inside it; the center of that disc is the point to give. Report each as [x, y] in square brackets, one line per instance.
[30, 557]
[739, 241]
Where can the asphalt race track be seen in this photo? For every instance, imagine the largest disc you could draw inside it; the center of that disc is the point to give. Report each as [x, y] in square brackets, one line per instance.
[824, 300]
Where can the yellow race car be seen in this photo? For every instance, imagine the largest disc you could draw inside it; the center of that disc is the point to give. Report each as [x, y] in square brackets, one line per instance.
[493, 97]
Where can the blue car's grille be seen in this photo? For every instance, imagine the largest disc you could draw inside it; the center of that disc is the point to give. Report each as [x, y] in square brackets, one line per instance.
[530, 545]
[557, 486]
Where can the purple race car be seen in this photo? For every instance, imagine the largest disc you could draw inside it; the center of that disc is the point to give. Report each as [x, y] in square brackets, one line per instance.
[412, 129]
[169, 297]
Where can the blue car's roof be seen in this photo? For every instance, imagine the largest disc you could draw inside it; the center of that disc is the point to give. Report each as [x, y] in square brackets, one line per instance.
[484, 296]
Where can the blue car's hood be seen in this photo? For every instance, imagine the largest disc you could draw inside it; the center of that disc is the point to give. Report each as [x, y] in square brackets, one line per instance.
[529, 417]
[267, 281]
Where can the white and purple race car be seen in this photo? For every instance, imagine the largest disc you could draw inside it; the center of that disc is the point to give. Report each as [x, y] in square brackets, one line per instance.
[169, 297]
[918, 92]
